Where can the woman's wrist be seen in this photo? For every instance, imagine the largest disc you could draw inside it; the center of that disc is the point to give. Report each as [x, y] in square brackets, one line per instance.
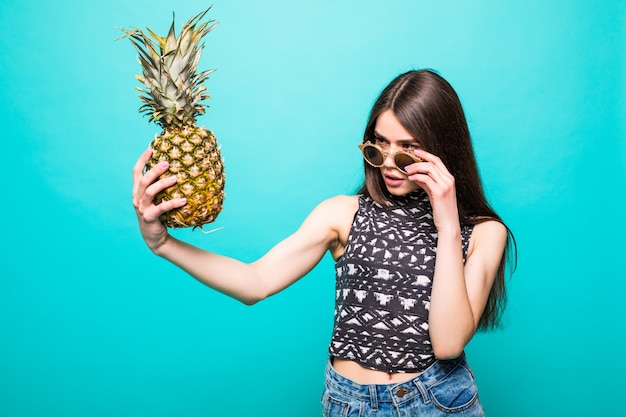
[159, 246]
[451, 231]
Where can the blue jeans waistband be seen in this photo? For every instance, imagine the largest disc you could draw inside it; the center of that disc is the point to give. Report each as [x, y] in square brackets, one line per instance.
[397, 392]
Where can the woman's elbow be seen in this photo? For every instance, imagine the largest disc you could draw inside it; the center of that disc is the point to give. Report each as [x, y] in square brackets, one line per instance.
[446, 351]
[450, 346]
[252, 299]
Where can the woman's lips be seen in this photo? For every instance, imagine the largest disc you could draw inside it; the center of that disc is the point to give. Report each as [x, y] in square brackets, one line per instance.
[393, 180]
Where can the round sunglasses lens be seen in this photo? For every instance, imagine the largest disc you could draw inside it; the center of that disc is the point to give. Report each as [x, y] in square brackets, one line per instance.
[402, 160]
[373, 155]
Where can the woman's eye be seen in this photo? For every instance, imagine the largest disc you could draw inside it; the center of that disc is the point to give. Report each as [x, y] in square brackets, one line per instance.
[381, 142]
[411, 147]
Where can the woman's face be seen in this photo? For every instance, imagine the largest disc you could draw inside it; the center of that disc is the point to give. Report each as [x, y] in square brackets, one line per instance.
[393, 137]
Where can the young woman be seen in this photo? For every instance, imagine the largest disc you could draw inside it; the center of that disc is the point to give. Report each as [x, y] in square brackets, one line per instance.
[420, 259]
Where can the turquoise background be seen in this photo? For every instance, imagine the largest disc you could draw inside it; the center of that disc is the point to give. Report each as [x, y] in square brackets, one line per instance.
[92, 324]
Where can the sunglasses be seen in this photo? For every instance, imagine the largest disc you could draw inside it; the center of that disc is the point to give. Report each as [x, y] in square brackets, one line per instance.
[375, 156]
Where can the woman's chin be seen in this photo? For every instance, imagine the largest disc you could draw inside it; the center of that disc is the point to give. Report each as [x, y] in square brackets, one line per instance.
[398, 184]
[403, 189]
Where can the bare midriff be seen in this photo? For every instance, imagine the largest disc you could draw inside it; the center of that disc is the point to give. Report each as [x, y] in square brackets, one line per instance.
[365, 376]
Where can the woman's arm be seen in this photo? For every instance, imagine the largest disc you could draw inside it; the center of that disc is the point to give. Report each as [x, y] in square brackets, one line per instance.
[460, 291]
[281, 266]
[249, 283]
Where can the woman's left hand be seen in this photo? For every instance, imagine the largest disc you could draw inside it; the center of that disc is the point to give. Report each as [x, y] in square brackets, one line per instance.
[432, 175]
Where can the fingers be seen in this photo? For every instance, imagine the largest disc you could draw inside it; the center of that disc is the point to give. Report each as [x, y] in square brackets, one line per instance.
[152, 213]
[142, 181]
[144, 202]
[154, 188]
[431, 174]
[138, 168]
[430, 167]
[429, 157]
[146, 187]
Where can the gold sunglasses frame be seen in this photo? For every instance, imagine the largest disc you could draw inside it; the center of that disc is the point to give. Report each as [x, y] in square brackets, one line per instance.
[363, 145]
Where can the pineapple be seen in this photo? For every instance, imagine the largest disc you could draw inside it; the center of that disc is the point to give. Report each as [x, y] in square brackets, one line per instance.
[172, 100]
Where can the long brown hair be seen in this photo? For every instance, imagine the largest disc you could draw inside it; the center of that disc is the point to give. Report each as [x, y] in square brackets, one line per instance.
[428, 107]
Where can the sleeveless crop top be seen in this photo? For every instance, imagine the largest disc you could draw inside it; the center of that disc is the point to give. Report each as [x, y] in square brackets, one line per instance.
[384, 281]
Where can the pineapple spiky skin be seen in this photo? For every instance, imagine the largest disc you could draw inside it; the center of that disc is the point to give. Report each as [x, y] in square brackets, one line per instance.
[172, 95]
[194, 157]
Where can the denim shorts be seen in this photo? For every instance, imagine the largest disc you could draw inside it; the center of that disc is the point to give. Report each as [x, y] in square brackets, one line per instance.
[446, 387]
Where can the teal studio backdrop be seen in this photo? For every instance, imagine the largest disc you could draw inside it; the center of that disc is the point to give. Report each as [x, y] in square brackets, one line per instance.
[92, 324]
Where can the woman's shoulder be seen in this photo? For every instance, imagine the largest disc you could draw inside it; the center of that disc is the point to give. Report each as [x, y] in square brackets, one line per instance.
[344, 199]
[340, 204]
[491, 234]
[491, 227]
[338, 213]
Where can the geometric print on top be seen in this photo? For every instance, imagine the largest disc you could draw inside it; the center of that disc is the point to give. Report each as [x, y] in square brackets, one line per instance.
[383, 285]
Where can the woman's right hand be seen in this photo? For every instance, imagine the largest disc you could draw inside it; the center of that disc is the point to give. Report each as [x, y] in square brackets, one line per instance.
[145, 187]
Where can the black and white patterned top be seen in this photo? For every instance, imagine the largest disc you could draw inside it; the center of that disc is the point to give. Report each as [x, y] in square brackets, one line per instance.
[384, 281]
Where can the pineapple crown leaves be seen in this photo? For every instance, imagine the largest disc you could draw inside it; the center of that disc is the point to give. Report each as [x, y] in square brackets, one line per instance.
[169, 64]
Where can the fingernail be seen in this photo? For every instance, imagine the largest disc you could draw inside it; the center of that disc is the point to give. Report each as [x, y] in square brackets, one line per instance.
[182, 201]
[163, 165]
